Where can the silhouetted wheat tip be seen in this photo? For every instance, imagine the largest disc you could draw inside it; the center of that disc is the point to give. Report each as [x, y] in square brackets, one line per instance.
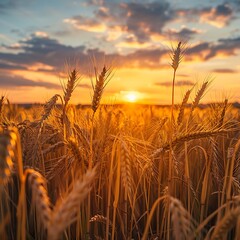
[177, 56]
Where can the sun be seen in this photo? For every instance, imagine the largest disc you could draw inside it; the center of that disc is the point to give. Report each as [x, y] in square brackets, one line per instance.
[131, 97]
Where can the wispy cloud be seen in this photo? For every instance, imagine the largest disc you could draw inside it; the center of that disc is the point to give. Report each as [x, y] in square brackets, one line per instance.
[224, 70]
[86, 24]
[184, 33]
[180, 83]
[19, 81]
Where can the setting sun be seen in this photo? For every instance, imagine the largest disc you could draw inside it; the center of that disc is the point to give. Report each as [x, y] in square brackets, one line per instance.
[131, 97]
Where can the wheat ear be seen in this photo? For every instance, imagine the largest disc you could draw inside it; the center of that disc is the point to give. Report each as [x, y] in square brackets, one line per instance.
[199, 95]
[71, 84]
[177, 55]
[48, 107]
[76, 151]
[40, 200]
[126, 174]
[8, 141]
[221, 120]
[182, 108]
[181, 220]
[226, 224]
[101, 80]
[66, 211]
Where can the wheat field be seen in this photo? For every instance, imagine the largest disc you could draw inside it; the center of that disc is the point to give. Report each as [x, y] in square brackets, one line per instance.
[118, 171]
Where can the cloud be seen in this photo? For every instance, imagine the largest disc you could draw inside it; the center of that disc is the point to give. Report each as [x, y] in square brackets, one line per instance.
[139, 19]
[180, 83]
[207, 50]
[184, 33]
[44, 50]
[5, 66]
[218, 16]
[47, 54]
[224, 70]
[226, 47]
[18, 81]
[145, 58]
[9, 4]
[143, 19]
[95, 2]
[38, 53]
[86, 24]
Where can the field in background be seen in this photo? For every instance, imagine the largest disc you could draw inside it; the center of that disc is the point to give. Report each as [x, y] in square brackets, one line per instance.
[120, 172]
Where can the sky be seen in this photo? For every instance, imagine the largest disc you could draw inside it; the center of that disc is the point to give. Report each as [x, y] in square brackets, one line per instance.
[41, 41]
